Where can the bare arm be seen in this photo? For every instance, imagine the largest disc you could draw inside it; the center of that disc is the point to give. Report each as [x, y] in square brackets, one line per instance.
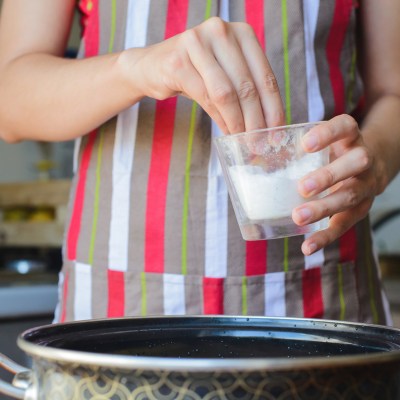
[380, 65]
[365, 158]
[43, 96]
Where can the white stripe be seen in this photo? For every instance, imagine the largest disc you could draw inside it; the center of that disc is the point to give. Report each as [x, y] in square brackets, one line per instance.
[174, 294]
[216, 245]
[77, 146]
[275, 302]
[315, 102]
[120, 201]
[136, 24]
[224, 10]
[216, 241]
[57, 311]
[314, 260]
[83, 292]
[124, 148]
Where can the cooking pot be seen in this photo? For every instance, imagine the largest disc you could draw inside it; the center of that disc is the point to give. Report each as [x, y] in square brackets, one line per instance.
[208, 357]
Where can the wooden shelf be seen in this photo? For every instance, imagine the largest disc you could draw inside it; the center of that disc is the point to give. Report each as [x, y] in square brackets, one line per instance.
[38, 194]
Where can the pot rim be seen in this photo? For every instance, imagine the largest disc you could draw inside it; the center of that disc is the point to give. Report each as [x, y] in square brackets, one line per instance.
[129, 362]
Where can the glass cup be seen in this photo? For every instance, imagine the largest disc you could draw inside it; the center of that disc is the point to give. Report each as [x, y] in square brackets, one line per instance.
[261, 169]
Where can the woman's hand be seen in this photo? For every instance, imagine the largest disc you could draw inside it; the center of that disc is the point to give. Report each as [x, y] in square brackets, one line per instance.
[352, 179]
[220, 65]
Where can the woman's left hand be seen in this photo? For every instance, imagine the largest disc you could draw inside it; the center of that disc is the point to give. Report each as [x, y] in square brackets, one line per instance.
[351, 179]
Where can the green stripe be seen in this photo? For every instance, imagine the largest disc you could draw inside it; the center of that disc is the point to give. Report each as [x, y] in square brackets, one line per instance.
[285, 38]
[244, 295]
[96, 196]
[286, 254]
[208, 9]
[144, 293]
[371, 286]
[285, 33]
[187, 188]
[341, 295]
[352, 78]
[113, 25]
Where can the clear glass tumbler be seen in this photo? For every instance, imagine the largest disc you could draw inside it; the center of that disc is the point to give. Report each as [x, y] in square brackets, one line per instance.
[261, 169]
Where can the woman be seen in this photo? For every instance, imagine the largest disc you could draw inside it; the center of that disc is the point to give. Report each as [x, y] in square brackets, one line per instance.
[150, 228]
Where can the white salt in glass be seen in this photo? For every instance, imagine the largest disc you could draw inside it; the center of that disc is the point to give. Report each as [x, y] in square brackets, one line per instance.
[261, 169]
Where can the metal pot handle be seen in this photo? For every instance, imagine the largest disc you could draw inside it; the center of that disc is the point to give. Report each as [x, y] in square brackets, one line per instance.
[21, 382]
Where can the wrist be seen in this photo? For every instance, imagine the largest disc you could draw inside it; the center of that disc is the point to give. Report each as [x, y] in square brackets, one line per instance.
[128, 66]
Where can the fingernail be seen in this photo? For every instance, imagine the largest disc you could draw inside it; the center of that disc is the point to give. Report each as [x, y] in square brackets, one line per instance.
[309, 185]
[304, 214]
[311, 248]
[310, 141]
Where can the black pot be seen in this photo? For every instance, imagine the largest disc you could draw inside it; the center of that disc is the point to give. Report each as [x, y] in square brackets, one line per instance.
[209, 358]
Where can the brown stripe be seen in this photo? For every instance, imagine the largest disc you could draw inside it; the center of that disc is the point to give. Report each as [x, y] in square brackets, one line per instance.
[295, 255]
[155, 294]
[236, 246]
[274, 42]
[69, 307]
[193, 295]
[100, 285]
[233, 296]
[107, 30]
[82, 252]
[237, 11]
[275, 255]
[255, 295]
[367, 277]
[157, 21]
[101, 244]
[133, 294]
[324, 22]
[330, 292]
[175, 189]
[297, 62]
[140, 172]
[348, 66]
[294, 294]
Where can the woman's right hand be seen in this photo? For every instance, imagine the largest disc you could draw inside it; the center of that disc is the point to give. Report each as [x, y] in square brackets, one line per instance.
[219, 65]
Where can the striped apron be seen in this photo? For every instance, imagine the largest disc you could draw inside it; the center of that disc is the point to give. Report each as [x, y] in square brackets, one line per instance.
[151, 230]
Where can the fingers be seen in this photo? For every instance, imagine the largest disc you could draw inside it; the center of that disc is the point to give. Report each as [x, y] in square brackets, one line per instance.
[350, 195]
[264, 77]
[338, 225]
[342, 127]
[238, 79]
[354, 162]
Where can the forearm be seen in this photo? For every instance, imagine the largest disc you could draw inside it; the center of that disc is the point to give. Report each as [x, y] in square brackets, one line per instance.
[381, 132]
[43, 97]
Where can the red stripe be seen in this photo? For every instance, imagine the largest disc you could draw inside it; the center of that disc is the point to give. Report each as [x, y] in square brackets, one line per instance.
[161, 155]
[64, 298]
[213, 295]
[116, 294]
[176, 17]
[313, 304]
[255, 17]
[90, 22]
[256, 252]
[348, 245]
[76, 217]
[256, 257]
[341, 19]
[157, 185]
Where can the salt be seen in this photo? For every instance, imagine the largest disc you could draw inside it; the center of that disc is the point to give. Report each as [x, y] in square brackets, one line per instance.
[271, 195]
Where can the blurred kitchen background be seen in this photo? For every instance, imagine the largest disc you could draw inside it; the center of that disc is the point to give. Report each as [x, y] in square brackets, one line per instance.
[34, 185]
[34, 189]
